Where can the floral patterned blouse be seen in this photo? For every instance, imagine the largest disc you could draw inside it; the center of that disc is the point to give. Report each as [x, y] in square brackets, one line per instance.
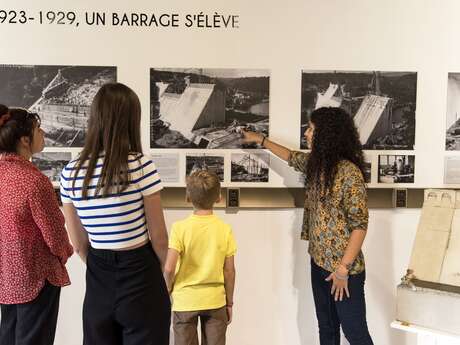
[327, 224]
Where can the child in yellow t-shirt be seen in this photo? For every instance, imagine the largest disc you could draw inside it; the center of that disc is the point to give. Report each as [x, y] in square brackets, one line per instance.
[203, 248]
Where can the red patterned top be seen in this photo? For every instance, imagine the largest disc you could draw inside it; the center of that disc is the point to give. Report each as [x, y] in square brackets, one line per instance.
[33, 242]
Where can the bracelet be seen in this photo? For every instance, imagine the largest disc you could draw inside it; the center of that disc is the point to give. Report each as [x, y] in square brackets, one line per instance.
[346, 266]
[340, 277]
[263, 140]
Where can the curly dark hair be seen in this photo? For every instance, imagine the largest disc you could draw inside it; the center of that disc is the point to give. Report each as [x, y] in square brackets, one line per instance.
[335, 138]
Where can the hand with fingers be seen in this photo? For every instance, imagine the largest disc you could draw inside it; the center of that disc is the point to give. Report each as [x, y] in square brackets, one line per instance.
[339, 280]
[252, 137]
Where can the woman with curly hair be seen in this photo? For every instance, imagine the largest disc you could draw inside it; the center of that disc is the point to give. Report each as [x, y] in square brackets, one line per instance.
[335, 221]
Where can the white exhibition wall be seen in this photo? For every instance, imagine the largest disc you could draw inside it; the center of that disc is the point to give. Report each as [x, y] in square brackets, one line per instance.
[273, 303]
[283, 37]
[273, 300]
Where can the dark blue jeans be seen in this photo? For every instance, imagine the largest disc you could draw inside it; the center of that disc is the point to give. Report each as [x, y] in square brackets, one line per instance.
[350, 313]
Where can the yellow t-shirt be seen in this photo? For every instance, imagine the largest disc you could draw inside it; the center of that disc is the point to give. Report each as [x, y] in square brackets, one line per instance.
[203, 243]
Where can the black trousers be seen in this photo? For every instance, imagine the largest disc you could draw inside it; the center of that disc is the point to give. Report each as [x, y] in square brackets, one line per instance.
[31, 323]
[350, 313]
[126, 301]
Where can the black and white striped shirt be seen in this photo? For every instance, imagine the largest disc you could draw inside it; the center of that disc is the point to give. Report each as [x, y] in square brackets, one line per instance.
[117, 220]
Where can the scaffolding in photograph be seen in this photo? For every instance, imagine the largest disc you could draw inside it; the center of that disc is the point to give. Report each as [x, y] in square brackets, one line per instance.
[253, 166]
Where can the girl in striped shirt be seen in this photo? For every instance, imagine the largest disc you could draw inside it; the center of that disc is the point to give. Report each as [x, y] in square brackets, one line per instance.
[112, 206]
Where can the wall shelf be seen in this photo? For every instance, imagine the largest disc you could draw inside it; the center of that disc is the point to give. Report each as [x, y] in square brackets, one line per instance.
[273, 198]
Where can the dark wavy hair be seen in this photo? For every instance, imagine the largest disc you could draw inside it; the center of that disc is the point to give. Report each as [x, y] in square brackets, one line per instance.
[335, 138]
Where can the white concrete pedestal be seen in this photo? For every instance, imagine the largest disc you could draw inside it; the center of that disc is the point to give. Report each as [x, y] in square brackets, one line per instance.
[426, 336]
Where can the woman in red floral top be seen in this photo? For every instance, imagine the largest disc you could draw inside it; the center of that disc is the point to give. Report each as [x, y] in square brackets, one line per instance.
[34, 246]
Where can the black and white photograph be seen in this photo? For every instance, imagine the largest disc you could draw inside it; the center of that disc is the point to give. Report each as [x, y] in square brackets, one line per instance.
[367, 169]
[207, 108]
[396, 168]
[382, 104]
[209, 162]
[61, 95]
[51, 163]
[250, 167]
[453, 112]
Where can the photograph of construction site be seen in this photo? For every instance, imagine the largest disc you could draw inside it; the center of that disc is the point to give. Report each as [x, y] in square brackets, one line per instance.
[453, 112]
[61, 95]
[367, 171]
[382, 104]
[396, 168]
[250, 167]
[213, 163]
[51, 163]
[207, 108]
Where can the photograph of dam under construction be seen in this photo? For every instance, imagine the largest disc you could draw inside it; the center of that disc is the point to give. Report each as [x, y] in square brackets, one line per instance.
[51, 163]
[382, 104]
[453, 112]
[250, 167]
[207, 108]
[396, 169]
[208, 162]
[61, 95]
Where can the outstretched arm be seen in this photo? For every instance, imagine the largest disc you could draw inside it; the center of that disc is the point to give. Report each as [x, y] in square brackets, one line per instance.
[296, 159]
[253, 137]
